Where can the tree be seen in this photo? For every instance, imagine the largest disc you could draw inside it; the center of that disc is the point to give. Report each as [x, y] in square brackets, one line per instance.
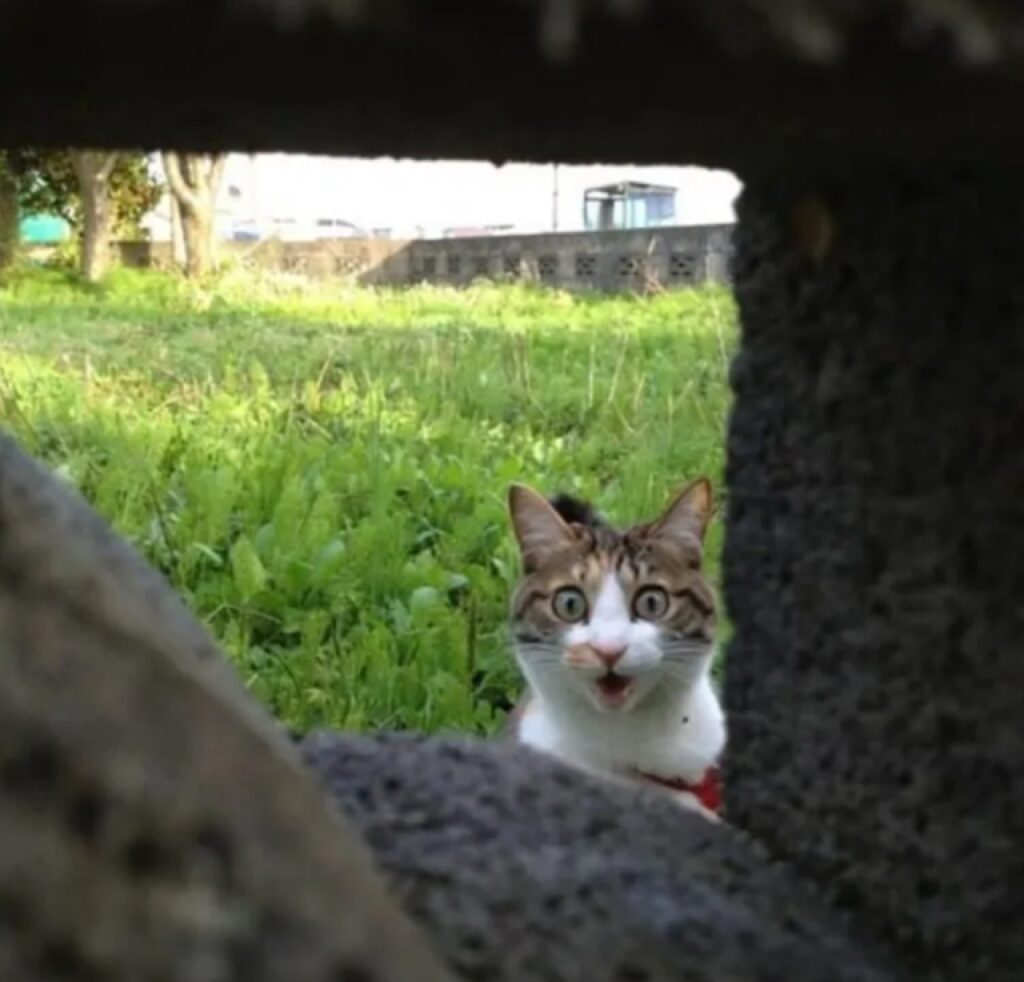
[194, 180]
[50, 184]
[10, 213]
[99, 193]
[16, 174]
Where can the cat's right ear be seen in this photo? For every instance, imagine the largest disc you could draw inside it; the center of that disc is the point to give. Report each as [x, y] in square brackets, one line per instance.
[539, 529]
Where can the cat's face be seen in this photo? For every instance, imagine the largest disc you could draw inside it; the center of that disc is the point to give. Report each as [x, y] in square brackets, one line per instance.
[615, 619]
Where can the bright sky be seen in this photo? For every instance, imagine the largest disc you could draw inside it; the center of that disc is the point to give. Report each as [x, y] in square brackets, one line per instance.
[402, 194]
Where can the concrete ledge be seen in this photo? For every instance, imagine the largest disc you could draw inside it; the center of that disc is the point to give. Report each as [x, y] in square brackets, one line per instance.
[735, 83]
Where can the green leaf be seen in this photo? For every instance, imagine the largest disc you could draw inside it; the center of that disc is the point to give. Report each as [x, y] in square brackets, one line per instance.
[424, 598]
[249, 575]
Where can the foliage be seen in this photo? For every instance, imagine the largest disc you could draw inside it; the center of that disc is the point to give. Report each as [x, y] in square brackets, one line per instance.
[321, 471]
[48, 185]
[9, 213]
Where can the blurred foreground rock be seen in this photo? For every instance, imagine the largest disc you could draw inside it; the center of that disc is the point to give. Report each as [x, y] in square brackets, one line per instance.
[153, 821]
[522, 869]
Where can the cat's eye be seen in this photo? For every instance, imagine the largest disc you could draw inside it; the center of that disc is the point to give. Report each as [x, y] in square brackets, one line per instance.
[569, 604]
[650, 603]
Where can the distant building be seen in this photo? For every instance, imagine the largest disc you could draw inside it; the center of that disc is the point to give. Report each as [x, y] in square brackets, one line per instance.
[628, 204]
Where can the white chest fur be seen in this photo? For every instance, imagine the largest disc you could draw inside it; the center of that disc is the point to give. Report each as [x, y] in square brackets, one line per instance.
[667, 742]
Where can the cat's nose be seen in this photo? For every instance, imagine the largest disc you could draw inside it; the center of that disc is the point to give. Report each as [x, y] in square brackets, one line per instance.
[608, 653]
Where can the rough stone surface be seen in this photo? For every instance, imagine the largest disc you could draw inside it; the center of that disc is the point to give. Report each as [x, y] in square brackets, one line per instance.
[875, 555]
[154, 823]
[733, 83]
[522, 869]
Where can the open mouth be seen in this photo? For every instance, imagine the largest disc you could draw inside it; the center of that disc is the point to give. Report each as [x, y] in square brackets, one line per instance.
[613, 689]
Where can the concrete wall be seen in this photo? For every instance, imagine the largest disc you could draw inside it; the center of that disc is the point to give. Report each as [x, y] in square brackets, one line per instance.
[620, 260]
[634, 259]
[372, 261]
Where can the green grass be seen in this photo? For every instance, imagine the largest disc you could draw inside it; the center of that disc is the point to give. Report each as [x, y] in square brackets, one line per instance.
[321, 471]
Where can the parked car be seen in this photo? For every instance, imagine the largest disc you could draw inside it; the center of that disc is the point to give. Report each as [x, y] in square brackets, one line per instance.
[246, 230]
[336, 228]
[294, 230]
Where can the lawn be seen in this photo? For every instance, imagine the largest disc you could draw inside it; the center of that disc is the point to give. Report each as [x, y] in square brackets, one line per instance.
[321, 470]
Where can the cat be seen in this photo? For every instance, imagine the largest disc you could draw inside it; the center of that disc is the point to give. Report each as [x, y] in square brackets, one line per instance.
[614, 633]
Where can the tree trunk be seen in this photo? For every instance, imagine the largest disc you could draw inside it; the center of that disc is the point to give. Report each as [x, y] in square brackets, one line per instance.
[92, 169]
[197, 235]
[177, 234]
[96, 231]
[194, 180]
[10, 216]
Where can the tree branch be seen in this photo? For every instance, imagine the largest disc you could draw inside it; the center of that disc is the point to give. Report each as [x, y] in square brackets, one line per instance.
[217, 173]
[92, 165]
[177, 183]
[107, 166]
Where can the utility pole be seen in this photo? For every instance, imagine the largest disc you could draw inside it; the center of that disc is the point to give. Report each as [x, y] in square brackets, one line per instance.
[255, 199]
[554, 197]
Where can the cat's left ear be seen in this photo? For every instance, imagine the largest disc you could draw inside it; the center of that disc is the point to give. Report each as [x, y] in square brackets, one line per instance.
[686, 519]
[539, 529]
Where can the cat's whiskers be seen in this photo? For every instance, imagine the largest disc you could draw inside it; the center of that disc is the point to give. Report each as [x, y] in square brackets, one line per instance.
[686, 652]
[540, 655]
[539, 648]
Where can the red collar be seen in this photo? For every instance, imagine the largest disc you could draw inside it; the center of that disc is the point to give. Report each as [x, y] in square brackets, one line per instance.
[708, 790]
